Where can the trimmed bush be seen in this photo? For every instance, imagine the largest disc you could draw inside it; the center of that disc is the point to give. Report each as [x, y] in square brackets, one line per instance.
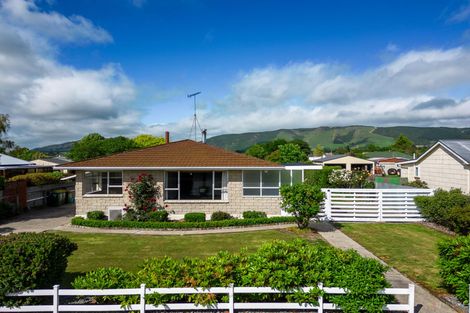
[96, 215]
[254, 214]
[31, 261]
[158, 216]
[39, 179]
[454, 266]
[220, 216]
[80, 221]
[302, 201]
[298, 263]
[446, 208]
[320, 177]
[195, 217]
[417, 184]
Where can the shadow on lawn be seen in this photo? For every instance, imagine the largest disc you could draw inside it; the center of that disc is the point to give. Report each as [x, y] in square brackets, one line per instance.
[324, 226]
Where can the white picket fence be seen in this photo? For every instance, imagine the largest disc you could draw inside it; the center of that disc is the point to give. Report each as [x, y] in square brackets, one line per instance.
[372, 205]
[231, 305]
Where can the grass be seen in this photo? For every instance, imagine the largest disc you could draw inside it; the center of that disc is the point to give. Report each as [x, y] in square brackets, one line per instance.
[128, 251]
[410, 248]
[390, 179]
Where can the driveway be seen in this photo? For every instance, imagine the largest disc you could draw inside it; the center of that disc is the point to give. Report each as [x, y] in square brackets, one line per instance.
[39, 220]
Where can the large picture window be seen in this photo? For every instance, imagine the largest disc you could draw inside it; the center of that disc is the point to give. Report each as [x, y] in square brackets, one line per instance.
[182, 185]
[267, 183]
[103, 183]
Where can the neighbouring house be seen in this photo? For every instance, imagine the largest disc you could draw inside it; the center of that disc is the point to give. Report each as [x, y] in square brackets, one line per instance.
[387, 166]
[192, 176]
[347, 162]
[445, 165]
[53, 161]
[11, 166]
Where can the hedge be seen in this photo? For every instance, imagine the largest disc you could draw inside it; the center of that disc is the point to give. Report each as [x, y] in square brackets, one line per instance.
[80, 221]
[220, 216]
[254, 214]
[96, 215]
[39, 179]
[31, 261]
[454, 265]
[195, 217]
[283, 265]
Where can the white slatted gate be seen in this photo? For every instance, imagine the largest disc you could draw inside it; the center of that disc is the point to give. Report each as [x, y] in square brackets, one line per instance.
[372, 205]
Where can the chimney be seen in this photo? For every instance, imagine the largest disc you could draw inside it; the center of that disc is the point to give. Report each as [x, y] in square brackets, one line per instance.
[204, 135]
[167, 137]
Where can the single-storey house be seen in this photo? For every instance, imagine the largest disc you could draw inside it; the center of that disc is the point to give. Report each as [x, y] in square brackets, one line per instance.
[347, 162]
[387, 166]
[11, 166]
[192, 176]
[445, 165]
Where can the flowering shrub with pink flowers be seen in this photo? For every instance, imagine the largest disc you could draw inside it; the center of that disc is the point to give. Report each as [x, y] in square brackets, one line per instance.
[143, 194]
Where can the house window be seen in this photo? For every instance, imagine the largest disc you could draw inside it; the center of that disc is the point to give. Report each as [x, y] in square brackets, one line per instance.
[416, 171]
[267, 183]
[103, 183]
[182, 185]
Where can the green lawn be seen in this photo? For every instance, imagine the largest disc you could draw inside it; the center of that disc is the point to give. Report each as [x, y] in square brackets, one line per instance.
[390, 179]
[128, 251]
[410, 248]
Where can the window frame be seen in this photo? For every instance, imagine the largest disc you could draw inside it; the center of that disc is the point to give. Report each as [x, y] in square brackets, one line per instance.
[260, 186]
[107, 194]
[417, 171]
[222, 188]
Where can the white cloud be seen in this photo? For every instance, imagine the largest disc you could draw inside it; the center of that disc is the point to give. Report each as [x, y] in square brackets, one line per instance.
[415, 88]
[461, 15]
[48, 101]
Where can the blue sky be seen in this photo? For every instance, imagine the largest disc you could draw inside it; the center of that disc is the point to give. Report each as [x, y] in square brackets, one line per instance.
[125, 67]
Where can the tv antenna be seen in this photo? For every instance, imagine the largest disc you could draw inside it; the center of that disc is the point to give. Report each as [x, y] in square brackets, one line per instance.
[195, 124]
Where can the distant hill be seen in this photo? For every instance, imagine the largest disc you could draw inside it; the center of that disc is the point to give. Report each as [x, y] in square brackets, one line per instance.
[333, 137]
[57, 148]
[330, 137]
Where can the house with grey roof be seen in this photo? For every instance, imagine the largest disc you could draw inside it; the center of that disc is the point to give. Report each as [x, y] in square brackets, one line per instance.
[445, 165]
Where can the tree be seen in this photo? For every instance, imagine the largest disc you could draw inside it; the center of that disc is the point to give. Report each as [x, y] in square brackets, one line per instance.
[117, 144]
[403, 144]
[90, 146]
[5, 144]
[318, 150]
[257, 151]
[26, 154]
[146, 140]
[304, 146]
[302, 201]
[290, 153]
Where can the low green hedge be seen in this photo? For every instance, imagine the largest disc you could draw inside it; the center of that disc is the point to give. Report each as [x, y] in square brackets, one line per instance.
[39, 179]
[96, 215]
[254, 214]
[195, 217]
[80, 221]
[454, 266]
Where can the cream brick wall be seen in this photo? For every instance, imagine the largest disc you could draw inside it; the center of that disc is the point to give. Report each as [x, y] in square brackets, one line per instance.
[236, 203]
[441, 170]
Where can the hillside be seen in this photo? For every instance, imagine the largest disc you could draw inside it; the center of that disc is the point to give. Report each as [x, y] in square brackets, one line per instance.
[56, 149]
[333, 137]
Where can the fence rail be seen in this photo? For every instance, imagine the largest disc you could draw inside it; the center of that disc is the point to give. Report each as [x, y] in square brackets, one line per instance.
[372, 205]
[231, 305]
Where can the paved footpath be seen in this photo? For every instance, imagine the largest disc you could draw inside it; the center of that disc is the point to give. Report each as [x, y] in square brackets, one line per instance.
[425, 302]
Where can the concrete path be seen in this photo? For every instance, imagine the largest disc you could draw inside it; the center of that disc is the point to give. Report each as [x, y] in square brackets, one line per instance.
[425, 302]
[39, 220]
[176, 232]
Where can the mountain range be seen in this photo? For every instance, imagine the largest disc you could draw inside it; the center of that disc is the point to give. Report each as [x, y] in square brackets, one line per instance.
[330, 137]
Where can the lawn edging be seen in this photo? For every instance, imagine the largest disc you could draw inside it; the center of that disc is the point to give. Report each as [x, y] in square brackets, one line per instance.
[80, 221]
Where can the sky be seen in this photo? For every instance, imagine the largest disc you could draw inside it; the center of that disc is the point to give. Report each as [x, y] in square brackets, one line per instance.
[125, 67]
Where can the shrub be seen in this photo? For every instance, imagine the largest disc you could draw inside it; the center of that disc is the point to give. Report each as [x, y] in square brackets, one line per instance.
[349, 179]
[302, 201]
[39, 179]
[96, 215]
[320, 177]
[443, 207]
[195, 217]
[144, 194]
[220, 216]
[417, 184]
[254, 214]
[459, 219]
[158, 216]
[80, 221]
[7, 210]
[297, 263]
[454, 265]
[31, 261]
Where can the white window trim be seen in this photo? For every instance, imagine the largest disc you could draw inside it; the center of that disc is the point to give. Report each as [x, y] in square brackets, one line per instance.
[260, 187]
[92, 194]
[179, 200]
[417, 172]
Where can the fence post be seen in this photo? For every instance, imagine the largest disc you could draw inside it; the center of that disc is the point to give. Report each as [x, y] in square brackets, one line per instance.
[380, 206]
[142, 298]
[328, 204]
[231, 299]
[320, 298]
[55, 299]
[411, 298]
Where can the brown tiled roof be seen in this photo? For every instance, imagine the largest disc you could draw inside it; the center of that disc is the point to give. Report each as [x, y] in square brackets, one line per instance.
[185, 153]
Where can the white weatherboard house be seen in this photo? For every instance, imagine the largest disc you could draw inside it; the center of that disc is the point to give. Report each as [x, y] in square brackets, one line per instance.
[445, 165]
[192, 176]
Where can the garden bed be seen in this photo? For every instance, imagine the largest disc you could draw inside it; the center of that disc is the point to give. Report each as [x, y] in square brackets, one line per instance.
[80, 221]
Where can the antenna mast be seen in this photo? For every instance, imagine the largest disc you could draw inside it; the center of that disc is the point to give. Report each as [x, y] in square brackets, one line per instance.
[195, 124]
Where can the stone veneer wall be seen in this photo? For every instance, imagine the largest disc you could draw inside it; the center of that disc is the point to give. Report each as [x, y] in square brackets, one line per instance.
[236, 203]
